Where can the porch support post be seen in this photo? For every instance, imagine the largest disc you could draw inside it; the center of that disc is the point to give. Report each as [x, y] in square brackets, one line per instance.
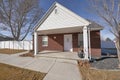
[89, 43]
[35, 43]
[85, 41]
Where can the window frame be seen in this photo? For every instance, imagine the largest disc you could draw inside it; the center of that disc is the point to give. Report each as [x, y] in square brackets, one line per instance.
[44, 39]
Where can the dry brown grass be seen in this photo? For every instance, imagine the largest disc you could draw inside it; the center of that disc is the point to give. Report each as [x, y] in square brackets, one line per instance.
[94, 74]
[8, 72]
[10, 51]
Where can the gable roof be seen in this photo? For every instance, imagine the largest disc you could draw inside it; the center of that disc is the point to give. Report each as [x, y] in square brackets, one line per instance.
[5, 38]
[107, 44]
[95, 26]
[76, 20]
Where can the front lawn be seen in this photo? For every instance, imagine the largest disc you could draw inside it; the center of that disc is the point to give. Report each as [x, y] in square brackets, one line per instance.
[8, 72]
[97, 74]
[10, 51]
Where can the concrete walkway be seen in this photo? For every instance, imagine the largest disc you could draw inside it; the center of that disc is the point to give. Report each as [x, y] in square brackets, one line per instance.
[56, 69]
[60, 55]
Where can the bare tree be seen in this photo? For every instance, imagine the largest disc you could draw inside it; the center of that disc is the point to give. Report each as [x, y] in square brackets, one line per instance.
[19, 16]
[109, 11]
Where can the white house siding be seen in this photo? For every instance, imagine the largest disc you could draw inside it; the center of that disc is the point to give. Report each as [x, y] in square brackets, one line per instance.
[61, 17]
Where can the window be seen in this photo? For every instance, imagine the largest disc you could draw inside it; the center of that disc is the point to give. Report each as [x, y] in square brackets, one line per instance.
[44, 40]
[80, 40]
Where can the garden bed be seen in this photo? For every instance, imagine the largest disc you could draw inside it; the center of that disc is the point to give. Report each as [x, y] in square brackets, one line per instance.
[29, 54]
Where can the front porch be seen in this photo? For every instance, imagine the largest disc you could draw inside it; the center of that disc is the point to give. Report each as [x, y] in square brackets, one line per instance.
[60, 26]
[56, 39]
[59, 55]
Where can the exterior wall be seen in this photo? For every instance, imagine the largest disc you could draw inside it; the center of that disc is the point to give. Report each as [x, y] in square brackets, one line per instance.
[58, 43]
[95, 44]
[75, 42]
[53, 44]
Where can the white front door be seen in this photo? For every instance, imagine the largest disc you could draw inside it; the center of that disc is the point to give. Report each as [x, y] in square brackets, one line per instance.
[68, 42]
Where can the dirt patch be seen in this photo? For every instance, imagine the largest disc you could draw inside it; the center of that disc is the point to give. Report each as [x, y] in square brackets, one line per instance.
[93, 74]
[10, 51]
[29, 54]
[8, 72]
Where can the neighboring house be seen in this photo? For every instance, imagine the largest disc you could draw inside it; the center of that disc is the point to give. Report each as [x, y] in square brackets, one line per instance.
[5, 38]
[108, 47]
[62, 30]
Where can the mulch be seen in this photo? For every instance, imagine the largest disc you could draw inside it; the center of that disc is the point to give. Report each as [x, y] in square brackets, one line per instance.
[29, 54]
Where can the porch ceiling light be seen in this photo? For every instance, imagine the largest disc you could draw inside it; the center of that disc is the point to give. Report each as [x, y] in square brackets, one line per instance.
[54, 37]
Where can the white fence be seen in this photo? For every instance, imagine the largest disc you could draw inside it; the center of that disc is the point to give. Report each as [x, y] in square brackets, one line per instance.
[23, 45]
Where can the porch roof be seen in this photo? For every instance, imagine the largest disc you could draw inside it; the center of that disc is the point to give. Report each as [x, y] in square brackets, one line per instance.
[60, 30]
[74, 29]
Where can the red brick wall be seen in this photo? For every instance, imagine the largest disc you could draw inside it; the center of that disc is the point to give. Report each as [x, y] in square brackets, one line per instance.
[53, 44]
[75, 42]
[95, 43]
[58, 43]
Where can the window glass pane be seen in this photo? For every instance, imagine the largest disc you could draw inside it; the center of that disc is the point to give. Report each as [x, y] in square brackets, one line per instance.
[44, 43]
[81, 37]
[80, 40]
[44, 40]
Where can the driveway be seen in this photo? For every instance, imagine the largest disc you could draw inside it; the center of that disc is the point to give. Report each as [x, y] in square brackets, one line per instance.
[56, 68]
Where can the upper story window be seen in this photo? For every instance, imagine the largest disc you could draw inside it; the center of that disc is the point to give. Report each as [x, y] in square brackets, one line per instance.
[44, 40]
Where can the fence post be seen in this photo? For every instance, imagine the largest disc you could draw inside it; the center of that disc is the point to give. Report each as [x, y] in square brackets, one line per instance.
[13, 44]
[9, 44]
[18, 44]
[23, 45]
[4, 44]
[29, 45]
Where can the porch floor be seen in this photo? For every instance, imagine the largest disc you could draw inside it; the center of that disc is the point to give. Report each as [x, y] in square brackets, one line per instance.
[60, 55]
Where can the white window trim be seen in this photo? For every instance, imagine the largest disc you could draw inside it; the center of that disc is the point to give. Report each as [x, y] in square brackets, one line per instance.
[45, 40]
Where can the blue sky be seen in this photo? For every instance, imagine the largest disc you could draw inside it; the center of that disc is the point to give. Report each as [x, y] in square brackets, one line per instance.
[81, 8]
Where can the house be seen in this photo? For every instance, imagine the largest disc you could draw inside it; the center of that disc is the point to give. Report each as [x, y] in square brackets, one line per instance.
[5, 38]
[62, 30]
[108, 47]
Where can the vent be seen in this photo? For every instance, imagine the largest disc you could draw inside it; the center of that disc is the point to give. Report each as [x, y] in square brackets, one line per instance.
[56, 11]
